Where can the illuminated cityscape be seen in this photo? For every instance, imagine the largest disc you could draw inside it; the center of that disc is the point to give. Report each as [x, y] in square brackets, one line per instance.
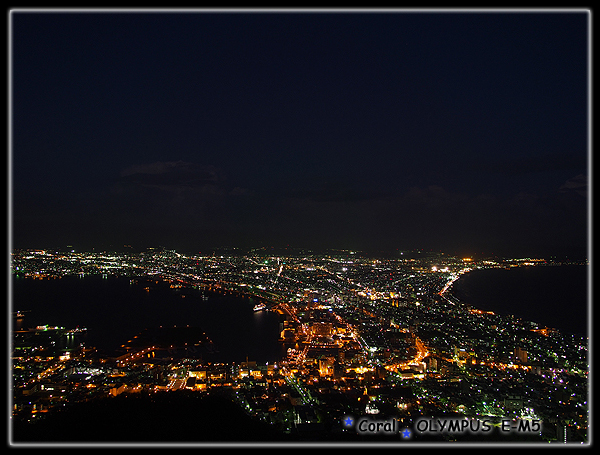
[299, 226]
[360, 336]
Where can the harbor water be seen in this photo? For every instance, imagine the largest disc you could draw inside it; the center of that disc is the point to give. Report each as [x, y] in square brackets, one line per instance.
[115, 309]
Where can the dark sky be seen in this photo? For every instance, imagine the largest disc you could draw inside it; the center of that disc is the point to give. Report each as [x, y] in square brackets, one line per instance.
[452, 131]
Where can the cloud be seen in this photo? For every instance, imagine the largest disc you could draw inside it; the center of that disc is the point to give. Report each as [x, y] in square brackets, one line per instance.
[167, 196]
[238, 191]
[433, 196]
[522, 165]
[576, 185]
[170, 174]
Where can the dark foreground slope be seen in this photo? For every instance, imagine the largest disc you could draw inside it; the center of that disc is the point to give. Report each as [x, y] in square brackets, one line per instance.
[164, 417]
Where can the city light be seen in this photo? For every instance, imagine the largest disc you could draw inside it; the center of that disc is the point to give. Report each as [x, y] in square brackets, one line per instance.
[362, 334]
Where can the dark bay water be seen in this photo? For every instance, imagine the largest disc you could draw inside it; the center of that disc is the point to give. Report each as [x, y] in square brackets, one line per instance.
[554, 296]
[114, 310]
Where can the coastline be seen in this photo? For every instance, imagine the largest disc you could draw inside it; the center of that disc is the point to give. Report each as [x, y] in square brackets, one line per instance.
[123, 310]
[552, 305]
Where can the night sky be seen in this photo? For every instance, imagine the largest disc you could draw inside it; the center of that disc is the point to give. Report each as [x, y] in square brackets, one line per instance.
[460, 132]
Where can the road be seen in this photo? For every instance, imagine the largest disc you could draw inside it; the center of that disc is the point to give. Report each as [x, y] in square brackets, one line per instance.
[422, 352]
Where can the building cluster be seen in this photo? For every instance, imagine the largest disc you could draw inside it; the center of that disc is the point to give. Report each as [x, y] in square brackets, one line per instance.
[362, 336]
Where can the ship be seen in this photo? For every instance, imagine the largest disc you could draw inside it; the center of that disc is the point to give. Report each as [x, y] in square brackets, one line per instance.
[260, 306]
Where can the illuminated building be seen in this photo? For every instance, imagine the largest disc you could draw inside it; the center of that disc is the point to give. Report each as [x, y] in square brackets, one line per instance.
[521, 354]
[326, 366]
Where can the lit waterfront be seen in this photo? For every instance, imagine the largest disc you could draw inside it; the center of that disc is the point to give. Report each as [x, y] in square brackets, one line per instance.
[114, 310]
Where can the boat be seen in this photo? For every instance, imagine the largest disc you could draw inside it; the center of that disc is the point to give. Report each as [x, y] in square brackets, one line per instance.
[260, 306]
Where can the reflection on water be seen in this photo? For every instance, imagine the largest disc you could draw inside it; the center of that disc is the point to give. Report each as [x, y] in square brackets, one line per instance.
[116, 309]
